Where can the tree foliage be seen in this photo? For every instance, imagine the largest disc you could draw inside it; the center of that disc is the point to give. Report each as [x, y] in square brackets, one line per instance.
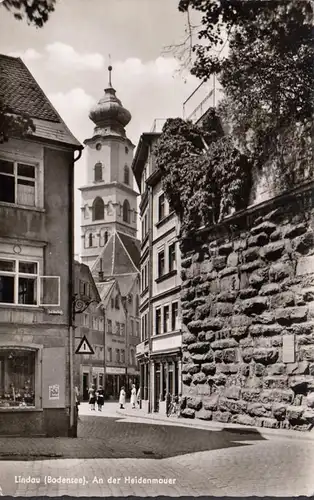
[204, 176]
[35, 12]
[267, 74]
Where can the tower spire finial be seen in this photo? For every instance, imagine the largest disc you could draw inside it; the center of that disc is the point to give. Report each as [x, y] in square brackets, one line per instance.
[109, 69]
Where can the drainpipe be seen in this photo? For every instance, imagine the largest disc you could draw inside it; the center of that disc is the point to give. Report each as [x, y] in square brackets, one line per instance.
[73, 423]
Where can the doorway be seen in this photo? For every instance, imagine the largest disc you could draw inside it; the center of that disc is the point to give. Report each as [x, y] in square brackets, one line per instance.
[85, 386]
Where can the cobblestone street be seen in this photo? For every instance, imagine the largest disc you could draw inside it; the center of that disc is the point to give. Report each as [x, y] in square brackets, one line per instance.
[114, 455]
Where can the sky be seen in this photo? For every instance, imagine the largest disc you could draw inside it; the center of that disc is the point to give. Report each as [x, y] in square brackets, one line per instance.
[69, 57]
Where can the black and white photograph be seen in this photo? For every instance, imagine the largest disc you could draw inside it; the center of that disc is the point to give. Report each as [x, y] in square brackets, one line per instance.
[156, 248]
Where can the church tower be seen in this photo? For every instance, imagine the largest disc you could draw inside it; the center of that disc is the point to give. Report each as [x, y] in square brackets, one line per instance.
[109, 202]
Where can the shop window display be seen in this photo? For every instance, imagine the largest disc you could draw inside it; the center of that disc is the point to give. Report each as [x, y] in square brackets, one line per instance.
[17, 378]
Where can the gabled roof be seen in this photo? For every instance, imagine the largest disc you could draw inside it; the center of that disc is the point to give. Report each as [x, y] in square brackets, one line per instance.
[22, 94]
[83, 271]
[120, 256]
[126, 282]
[104, 289]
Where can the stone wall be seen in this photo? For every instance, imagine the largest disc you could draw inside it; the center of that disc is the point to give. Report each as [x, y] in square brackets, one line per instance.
[248, 316]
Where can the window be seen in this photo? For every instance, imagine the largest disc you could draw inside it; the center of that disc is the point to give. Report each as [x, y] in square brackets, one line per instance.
[98, 172]
[101, 324]
[161, 263]
[132, 326]
[19, 282]
[90, 240]
[126, 177]
[17, 183]
[142, 279]
[158, 321]
[172, 257]
[161, 206]
[98, 146]
[109, 325]
[146, 224]
[106, 236]
[85, 320]
[146, 276]
[137, 305]
[112, 303]
[95, 324]
[132, 357]
[143, 328]
[118, 355]
[98, 209]
[126, 150]
[117, 302]
[109, 354]
[137, 328]
[122, 356]
[126, 211]
[146, 326]
[166, 319]
[17, 377]
[117, 332]
[122, 329]
[175, 316]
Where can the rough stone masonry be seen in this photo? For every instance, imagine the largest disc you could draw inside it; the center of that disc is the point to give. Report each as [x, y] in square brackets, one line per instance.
[248, 316]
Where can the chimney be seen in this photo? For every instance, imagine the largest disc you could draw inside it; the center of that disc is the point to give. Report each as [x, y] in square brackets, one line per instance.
[101, 273]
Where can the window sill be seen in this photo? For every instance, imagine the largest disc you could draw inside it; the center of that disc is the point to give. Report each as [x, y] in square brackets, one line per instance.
[144, 292]
[166, 334]
[26, 307]
[166, 276]
[22, 207]
[165, 219]
[145, 240]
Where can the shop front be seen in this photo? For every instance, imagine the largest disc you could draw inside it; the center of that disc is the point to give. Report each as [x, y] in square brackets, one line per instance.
[33, 390]
[115, 379]
[166, 379]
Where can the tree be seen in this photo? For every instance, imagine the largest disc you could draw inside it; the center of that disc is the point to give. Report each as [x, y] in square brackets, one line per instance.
[267, 75]
[35, 12]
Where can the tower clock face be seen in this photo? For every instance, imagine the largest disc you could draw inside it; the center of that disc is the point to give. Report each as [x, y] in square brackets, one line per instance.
[98, 146]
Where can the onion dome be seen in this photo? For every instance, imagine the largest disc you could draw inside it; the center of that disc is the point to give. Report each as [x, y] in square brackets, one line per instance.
[109, 111]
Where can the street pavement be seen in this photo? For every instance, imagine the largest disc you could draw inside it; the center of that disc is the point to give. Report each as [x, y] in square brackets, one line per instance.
[121, 455]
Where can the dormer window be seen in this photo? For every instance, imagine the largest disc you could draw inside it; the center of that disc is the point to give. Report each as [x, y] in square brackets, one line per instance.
[98, 172]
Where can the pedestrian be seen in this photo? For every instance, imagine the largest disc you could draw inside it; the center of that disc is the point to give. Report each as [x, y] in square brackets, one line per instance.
[100, 397]
[92, 397]
[122, 398]
[133, 396]
[138, 397]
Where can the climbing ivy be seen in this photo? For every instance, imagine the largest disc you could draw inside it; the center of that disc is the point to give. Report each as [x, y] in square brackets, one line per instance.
[204, 175]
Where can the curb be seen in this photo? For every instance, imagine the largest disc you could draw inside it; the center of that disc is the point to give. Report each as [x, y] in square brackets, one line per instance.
[219, 426]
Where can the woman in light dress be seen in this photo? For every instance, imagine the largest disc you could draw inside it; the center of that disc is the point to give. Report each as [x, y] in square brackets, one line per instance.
[122, 398]
[133, 396]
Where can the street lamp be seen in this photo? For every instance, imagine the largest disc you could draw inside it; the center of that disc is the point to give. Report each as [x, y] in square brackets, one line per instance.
[80, 305]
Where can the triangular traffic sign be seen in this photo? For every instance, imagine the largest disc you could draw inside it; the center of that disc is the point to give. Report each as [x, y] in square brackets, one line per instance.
[84, 347]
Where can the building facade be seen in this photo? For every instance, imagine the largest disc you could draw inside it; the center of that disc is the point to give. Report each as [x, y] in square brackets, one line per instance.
[109, 244]
[36, 264]
[159, 352]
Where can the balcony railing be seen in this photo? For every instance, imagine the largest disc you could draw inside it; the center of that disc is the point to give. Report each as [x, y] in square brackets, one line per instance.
[207, 95]
[158, 124]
